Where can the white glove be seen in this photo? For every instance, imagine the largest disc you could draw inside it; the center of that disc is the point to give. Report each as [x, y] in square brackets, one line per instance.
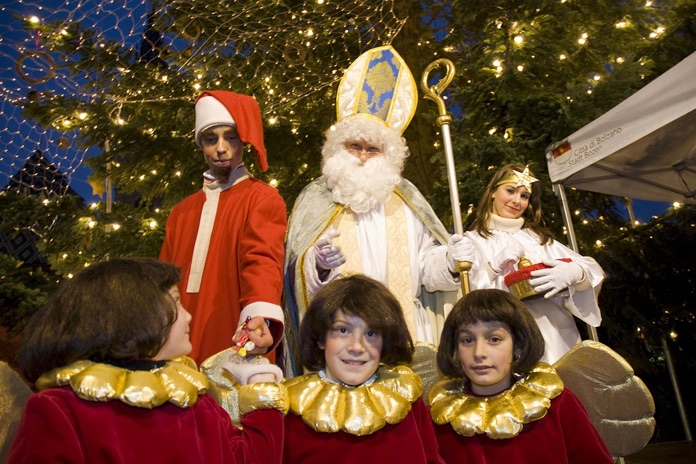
[459, 249]
[510, 255]
[243, 368]
[556, 278]
[328, 256]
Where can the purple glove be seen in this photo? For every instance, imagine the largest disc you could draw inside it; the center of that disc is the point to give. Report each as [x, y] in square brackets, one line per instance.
[328, 256]
[559, 276]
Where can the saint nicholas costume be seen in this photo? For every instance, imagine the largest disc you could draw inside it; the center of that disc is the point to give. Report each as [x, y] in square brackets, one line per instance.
[412, 249]
[227, 239]
[401, 242]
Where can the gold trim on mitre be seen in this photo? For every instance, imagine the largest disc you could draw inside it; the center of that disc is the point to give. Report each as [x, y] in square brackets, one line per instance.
[380, 85]
[177, 382]
[363, 410]
[500, 416]
[520, 179]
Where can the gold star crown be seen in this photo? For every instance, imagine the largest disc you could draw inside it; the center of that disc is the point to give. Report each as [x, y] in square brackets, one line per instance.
[520, 179]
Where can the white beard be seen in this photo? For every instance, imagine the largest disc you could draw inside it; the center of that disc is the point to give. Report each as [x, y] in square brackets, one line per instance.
[360, 187]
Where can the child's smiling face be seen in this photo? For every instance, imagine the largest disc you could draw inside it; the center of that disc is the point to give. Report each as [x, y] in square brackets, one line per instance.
[352, 350]
[510, 201]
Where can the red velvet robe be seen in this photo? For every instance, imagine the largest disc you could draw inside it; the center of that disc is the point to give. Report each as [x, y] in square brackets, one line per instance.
[564, 435]
[57, 426]
[410, 441]
[244, 262]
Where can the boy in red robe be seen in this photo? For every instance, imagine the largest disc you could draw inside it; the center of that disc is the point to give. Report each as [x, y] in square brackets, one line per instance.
[228, 238]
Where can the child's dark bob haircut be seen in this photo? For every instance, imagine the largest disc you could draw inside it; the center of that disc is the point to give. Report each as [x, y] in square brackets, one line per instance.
[491, 305]
[116, 309]
[362, 297]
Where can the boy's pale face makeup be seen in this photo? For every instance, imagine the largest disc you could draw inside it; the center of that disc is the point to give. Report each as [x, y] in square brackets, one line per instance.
[486, 351]
[510, 201]
[178, 343]
[352, 350]
[222, 150]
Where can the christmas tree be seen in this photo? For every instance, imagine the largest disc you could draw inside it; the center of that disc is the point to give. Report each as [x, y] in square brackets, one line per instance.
[119, 83]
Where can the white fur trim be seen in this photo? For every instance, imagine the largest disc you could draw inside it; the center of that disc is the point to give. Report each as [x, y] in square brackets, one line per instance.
[269, 311]
[244, 368]
[264, 309]
[211, 112]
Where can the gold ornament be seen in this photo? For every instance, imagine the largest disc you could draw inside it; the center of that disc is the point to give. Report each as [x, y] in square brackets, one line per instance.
[500, 416]
[520, 179]
[363, 410]
[177, 381]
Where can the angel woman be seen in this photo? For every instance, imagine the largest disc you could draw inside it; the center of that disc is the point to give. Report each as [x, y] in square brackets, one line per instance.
[509, 226]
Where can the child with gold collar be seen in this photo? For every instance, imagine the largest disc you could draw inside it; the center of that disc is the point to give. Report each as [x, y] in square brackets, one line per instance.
[360, 404]
[500, 404]
[107, 353]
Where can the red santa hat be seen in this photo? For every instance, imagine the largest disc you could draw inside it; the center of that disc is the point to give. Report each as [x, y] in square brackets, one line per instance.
[222, 107]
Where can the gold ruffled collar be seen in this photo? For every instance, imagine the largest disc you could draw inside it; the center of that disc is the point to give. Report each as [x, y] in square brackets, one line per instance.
[363, 410]
[178, 382]
[499, 416]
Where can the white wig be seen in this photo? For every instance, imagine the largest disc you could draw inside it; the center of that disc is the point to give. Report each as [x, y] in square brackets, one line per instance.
[372, 130]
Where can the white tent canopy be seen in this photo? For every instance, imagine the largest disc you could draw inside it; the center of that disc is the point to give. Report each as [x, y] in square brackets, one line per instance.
[643, 148]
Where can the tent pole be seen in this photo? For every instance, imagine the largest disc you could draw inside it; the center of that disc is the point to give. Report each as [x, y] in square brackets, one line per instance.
[567, 220]
[675, 385]
[560, 193]
[631, 214]
[668, 354]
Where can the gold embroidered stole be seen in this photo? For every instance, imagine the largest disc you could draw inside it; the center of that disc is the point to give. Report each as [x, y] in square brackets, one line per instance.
[398, 260]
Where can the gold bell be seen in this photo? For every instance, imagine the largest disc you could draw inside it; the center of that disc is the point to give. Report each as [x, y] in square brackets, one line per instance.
[522, 289]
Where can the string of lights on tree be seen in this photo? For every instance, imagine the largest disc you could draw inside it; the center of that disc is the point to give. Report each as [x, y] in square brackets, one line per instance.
[84, 60]
[107, 86]
[281, 52]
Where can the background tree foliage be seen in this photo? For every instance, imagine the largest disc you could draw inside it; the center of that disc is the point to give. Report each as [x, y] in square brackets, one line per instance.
[523, 82]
